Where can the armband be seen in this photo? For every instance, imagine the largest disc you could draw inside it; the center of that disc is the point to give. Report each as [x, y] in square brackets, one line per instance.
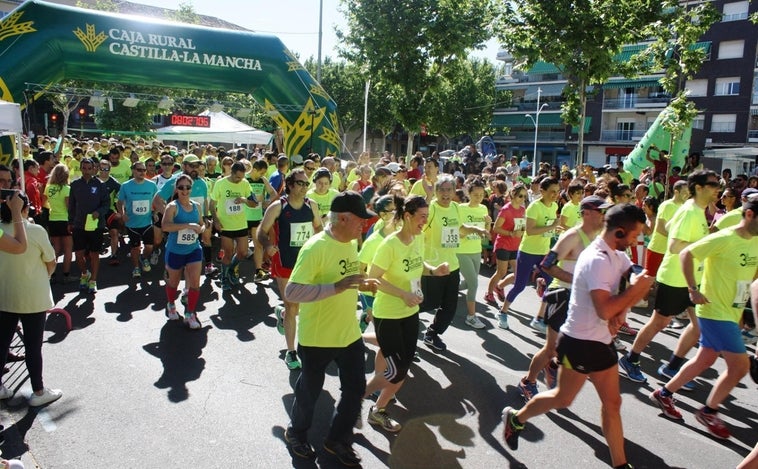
[549, 260]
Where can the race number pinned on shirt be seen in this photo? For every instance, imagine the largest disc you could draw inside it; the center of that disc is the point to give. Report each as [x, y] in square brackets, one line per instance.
[519, 224]
[450, 237]
[141, 207]
[186, 236]
[549, 234]
[741, 294]
[478, 224]
[300, 233]
[233, 208]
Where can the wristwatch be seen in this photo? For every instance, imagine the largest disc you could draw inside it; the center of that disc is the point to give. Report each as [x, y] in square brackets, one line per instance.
[692, 289]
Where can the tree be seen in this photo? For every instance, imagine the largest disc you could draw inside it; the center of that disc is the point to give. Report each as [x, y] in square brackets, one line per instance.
[184, 14]
[410, 46]
[65, 104]
[581, 38]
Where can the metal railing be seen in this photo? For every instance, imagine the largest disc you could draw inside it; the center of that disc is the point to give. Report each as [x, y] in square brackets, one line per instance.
[621, 135]
[635, 102]
[542, 136]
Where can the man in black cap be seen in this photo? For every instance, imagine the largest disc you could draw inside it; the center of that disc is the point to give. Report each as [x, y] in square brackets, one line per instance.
[325, 281]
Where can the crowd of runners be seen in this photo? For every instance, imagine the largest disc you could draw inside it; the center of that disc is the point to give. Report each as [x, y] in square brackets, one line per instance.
[400, 236]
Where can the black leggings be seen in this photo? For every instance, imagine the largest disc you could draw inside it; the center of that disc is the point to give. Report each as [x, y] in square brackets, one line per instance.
[34, 328]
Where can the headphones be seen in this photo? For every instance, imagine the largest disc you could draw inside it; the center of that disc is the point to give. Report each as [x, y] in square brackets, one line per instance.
[620, 233]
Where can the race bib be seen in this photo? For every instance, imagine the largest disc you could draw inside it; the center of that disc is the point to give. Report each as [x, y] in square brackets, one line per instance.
[450, 237]
[519, 224]
[299, 233]
[233, 208]
[741, 295]
[549, 234]
[478, 224]
[186, 236]
[141, 207]
[416, 288]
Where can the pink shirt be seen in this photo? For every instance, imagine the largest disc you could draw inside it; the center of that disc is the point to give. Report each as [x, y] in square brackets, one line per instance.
[509, 214]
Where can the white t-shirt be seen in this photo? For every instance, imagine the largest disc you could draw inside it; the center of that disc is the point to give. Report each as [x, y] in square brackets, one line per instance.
[599, 267]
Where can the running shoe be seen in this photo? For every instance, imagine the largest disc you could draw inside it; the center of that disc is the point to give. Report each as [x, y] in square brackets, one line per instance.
[234, 276]
[502, 321]
[551, 376]
[279, 313]
[363, 323]
[209, 269]
[92, 286]
[171, 312]
[191, 321]
[434, 341]
[527, 389]
[260, 276]
[155, 257]
[510, 430]
[632, 370]
[343, 452]
[136, 273]
[538, 325]
[665, 371]
[626, 329]
[715, 425]
[490, 298]
[225, 285]
[113, 260]
[475, 322]
[146, 267]
[379, 418]
[676, 323]
[299, 447]
[47, 396]
[666, 404]
[84, 280]
[500, 294]
[292, 361]
[749, 337]
[618, 345]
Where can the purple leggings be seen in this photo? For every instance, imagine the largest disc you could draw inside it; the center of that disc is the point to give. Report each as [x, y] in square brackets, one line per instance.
[524, 264]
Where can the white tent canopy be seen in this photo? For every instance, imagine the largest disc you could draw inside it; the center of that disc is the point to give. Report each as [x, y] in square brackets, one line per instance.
[10, 118]
[224, 129]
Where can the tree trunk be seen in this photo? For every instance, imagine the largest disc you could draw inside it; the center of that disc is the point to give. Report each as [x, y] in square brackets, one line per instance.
[580, 130]
[409, 152]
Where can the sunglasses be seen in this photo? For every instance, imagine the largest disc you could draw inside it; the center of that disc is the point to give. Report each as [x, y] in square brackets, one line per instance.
[310, 168]
[302, 183]
[184, 188]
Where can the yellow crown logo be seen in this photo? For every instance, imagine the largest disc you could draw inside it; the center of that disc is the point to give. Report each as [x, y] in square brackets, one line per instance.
[90, 40]
[11, 27]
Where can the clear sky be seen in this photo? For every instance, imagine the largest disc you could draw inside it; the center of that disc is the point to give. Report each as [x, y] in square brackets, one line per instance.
[295, 22]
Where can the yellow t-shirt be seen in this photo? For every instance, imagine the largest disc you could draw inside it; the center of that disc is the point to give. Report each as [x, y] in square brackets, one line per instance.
[56, 198]
[729, 219]
[472, 216]
[573, 214]
[418, 188]
[231, 215]
[324, 201]
[544, 215]
[336, 181]
[666, 211]
[330, 322]
[122, 172]
[442, 235]
[688, 224]
[403, 265]
[730, 264]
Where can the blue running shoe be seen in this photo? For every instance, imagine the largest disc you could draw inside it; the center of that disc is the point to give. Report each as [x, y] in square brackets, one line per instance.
[667, 372]
[632, 370]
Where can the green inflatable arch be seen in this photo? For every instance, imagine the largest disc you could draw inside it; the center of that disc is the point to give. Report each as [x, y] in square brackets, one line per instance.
[45, 43]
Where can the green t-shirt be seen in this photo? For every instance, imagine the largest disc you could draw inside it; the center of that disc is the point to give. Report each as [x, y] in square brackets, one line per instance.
[730, 263]
[544, 215]
[472, 216]
[324, 201]
[259, 191]
[122, 172]
[729, 219]
[56, 198]
[688, 224]
[230, 214]
[418, 188]
[442, 235]
[666, 211]
[330, 322]
[336, 181]
[573, 214]
[403, 265]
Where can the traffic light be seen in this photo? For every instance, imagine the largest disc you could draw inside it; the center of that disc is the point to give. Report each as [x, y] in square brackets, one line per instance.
[54, 117]
[82, 112]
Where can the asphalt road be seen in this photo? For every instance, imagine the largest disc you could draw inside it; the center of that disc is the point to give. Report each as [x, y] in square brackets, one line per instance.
[140, 392]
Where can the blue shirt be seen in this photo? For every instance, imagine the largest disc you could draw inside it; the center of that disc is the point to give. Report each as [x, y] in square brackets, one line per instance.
[199, 192]
[184, 241]
[138, 199]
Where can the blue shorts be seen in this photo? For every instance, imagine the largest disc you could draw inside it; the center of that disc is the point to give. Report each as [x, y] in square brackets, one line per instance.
[721, 336]
[178, 261]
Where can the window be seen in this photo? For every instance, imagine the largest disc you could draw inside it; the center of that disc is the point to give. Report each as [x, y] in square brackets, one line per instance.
[727, 86]
[699, 122]
[731, 49]
[735, 11]
[723, 123]
[697, 87]
[624, 130]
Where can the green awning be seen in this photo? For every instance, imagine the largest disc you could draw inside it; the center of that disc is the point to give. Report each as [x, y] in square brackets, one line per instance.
[635, 83]
[542, 68]
[627, 52]
[705, 46]
[587, 123]
[520, 120]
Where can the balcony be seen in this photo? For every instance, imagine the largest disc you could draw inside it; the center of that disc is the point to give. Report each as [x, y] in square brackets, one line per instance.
[531, 106]
[634, 102]
[752, 136]
[621, 135]
[528, 136]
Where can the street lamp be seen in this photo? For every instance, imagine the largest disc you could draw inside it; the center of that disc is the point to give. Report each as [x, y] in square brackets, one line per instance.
[536, 122]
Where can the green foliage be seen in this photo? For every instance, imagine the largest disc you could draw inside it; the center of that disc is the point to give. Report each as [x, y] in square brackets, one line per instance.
[185, 14]
[411, 47]
[101, 5]
[128, 119]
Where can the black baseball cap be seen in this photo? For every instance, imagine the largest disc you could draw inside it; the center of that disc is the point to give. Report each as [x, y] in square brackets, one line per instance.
[594, 202]
[351, 201]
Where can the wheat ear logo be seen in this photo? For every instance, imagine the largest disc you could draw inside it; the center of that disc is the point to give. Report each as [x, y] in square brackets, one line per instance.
[11, 27]
[90, 40]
